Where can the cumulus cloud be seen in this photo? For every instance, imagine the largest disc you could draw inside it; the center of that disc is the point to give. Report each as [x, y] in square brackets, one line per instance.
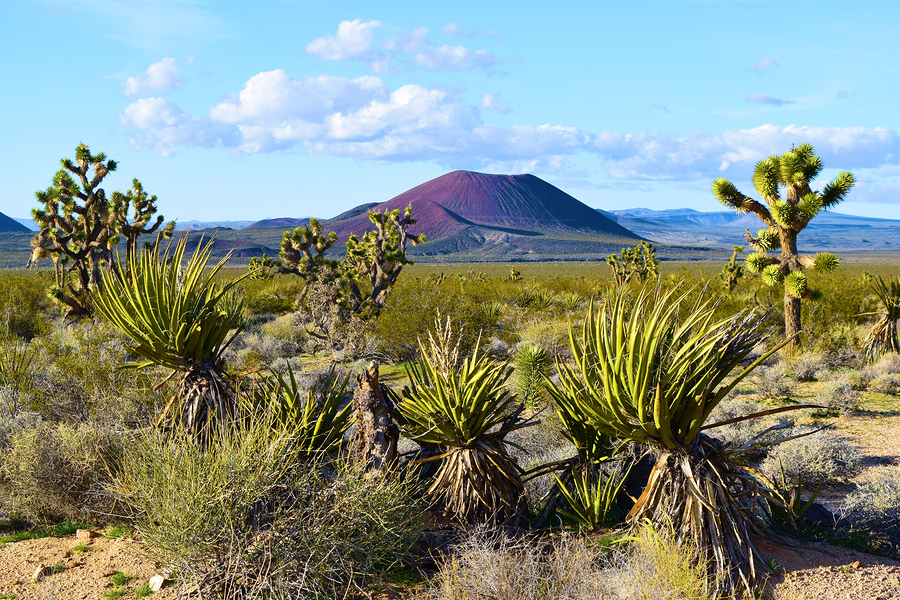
[765, 64]
[365, 119]
[758, 98]
[353, 40]
[491, 101]
[163, 127]
[160, 78]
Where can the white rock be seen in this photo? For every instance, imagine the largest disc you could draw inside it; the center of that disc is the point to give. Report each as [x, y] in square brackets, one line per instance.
[157, 582]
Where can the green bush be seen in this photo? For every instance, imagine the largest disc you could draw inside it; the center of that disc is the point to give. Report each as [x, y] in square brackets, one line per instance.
[50, 473]
[25, 309]
[244, 517]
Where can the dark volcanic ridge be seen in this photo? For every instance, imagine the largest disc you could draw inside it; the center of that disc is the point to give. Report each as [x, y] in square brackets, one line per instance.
[285, 222]
[491, 207]
[9, 224]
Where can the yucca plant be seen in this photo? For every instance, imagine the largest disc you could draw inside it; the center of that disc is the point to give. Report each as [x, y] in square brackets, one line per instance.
[590, 498]
[172, 314]
[532, 365]
[882, 337]
[465, 407]
[314, 415]
[650, 371]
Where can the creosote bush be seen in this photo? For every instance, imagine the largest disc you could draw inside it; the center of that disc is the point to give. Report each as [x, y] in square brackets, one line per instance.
[838, 396]
[51, 473]
[873, 506]
[244, 517]
[820, 458]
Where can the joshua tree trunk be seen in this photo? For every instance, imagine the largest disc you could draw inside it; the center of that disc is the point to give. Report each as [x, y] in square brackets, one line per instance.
[375, 439]
[792, 319]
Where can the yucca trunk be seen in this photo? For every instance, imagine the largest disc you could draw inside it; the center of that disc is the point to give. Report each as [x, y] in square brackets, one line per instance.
[205, 397]
[712, 502]
[481, 483]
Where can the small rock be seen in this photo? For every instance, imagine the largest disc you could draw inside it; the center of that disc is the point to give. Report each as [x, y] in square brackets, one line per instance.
[72, 564]
[85, 535]
[157, 582]
[42, 571]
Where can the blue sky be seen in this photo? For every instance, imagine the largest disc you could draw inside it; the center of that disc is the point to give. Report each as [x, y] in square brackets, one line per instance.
[239, 110]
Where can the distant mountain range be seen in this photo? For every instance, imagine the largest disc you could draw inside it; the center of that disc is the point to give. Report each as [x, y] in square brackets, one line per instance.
[9, 224]
[828, 231]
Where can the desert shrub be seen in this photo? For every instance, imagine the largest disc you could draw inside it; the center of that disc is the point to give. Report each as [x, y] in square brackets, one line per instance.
[806, 366]
[50, 473]
[245, 518]
[820, 458]
[888, 383]
[771, 382]
[25, 309]
[873, 506]
[504, 568]
[837, 396]
[657, 567]
[889, 364]
[271, 297]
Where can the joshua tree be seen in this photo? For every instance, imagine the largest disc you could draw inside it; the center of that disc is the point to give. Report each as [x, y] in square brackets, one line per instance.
[79, 225]
[640, 260]
[785, 218]
[732, 271]
[369, 269]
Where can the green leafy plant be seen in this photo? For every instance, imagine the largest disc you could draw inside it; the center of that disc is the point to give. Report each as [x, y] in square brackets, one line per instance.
[650, 371]
[314, 416]
[784, 220]
[464, 407]
[791, 507]
[173, 316]
[882, 337]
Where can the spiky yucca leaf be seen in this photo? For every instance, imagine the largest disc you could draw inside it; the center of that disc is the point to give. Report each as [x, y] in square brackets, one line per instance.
[314, 416]
[797, 284]
[765, 178]
[809, 206]
[772, 275]
[532, 364]
[171, 311]
[883, 336]
[590, 499]
[784, 213]
[766, 239]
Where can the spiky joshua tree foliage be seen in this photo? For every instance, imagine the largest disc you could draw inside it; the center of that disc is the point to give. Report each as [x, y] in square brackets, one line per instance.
[464, 407]
[649, 370]
[785, 217]
[172, 313]
[640, 262]
[79, 225]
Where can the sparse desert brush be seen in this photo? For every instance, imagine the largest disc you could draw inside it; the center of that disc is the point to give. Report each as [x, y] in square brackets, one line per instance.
[819, 458]
[499, 567]
[838, 396]
[873, 506]
[741, 432]
[50, 473]
[806, 366]
[771, 382]
[245, 516]
[889, 383]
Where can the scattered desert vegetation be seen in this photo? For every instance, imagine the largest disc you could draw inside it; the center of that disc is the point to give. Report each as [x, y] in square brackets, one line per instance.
[616, 434]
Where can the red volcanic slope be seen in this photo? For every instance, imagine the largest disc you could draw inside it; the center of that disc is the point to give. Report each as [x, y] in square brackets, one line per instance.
[511, 203]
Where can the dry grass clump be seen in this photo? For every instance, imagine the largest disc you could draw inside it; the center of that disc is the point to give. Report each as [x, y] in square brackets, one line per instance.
[51, 473]
[500, 567]
[873, 506]
[819, 458]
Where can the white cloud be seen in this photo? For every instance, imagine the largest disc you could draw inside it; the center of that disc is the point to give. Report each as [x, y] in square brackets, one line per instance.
[491, 101]
[162, 127]
[765, 64]
[353, 40]
[759, 98]
[456, 58]
[451, 29]
[160, 78]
